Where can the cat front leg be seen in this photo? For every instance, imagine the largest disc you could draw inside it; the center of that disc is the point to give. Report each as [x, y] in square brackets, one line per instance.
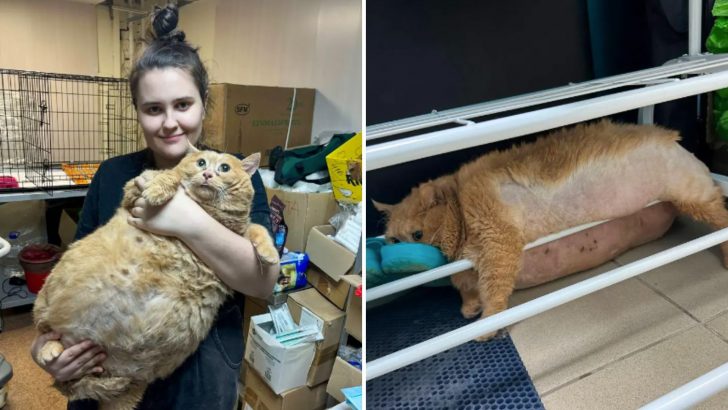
[467, 283]
[498, 257]
[132, 192]
[162, 187]
[263, 243]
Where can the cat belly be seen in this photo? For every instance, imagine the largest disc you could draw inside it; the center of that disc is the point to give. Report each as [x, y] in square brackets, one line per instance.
[148, 314]
[604, 189]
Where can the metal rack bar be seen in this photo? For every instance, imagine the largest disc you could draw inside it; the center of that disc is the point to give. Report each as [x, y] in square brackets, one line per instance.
[439, 142]
[689, 65]
[694, 392]
[431, 347]
[41, 195]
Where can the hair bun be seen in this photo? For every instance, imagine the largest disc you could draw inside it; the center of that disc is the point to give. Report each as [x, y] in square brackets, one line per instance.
[164, 24]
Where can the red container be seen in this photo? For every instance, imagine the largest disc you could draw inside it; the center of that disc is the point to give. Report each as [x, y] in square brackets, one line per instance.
[37, 262]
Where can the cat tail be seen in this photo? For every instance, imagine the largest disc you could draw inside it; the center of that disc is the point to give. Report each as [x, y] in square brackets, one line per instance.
[103, 389]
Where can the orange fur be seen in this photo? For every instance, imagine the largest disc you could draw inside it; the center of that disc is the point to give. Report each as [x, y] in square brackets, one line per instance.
[146, 299]
[492, 207]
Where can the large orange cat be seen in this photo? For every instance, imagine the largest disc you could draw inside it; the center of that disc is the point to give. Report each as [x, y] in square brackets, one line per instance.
[492, 207]
[146, 299]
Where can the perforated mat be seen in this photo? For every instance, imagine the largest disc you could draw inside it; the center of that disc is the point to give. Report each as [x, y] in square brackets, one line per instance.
[471, 376]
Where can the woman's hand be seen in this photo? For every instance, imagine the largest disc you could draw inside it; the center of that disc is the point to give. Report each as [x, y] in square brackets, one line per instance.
[74, 362]
[178, 217]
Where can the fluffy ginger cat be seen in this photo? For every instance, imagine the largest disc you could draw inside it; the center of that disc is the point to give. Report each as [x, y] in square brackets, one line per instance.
[492, 207]
[146, 299]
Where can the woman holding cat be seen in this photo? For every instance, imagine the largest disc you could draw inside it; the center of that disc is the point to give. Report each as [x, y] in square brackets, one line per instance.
[169, 89]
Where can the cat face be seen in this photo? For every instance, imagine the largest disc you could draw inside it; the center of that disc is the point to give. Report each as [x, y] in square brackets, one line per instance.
[210, 177]
[421, 216]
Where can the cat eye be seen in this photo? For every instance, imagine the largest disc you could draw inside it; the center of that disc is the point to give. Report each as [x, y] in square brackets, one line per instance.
[417, 235]
[201, 163]
[392, 240]
[224, 168]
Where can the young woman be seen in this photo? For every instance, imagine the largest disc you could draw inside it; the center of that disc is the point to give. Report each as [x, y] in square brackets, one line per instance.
[169, 89]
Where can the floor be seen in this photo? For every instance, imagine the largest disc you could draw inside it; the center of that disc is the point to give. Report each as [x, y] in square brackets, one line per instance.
[628, 344]
[30, 388]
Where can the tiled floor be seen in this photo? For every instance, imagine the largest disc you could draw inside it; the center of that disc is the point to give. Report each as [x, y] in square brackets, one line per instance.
[630, 343]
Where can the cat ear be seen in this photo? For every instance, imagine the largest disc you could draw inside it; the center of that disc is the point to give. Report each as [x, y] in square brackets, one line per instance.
[383, 208]
[435, 192]
[191, 149]
[251, 163]
[428, 195]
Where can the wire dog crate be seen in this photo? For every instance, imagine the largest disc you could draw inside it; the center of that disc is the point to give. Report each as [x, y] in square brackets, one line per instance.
[55, 129]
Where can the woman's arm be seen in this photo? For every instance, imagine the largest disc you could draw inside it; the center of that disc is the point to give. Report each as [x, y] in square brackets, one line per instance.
[231, 256]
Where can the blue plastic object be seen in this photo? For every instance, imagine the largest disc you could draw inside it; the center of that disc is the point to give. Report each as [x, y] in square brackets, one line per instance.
[471, 376]
[407, 257]
[374, 258]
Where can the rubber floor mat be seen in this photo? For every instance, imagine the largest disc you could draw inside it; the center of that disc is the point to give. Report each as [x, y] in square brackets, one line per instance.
[474, 375]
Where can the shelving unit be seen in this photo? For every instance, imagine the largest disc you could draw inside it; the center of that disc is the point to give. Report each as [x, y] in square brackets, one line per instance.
[690, 75]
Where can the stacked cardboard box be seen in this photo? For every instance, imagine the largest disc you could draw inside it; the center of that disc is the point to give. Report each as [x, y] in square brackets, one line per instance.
[303, 372]
[303, 211]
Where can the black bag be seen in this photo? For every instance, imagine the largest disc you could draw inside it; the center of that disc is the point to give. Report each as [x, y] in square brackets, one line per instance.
[294, 164]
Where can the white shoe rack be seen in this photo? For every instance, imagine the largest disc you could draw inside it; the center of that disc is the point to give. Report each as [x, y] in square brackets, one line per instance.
[690, 75]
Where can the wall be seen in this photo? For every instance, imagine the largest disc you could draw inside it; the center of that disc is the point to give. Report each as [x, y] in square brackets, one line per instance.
[313, 43]
[287, 43]
[48, 35]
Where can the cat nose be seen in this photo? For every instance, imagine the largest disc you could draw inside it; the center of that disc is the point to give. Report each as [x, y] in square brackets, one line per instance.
[207, 174]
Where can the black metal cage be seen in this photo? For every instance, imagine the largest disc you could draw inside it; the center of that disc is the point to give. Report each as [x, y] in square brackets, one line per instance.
[56, 128]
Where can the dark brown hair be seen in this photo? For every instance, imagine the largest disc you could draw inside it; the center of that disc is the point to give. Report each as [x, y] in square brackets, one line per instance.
[166, 49]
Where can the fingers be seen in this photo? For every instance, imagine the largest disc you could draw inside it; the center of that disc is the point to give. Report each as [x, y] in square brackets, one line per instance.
[76, 361]
[138, 209]
[87, 363]
[74, 352]
[141, 183]
[133, 221]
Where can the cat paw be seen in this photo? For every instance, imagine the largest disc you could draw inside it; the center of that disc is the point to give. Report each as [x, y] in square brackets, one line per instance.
[160, 189]
[49, 352]
[471, 309]
[263, 243]
[486, 337]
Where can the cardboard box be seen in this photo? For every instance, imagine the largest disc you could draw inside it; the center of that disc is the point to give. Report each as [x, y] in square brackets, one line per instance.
[335, 292]
[302, 212]
[258, 396]
[333, 325]
[343, 375]
[253, 307]
[333, 259]
[249, 119]
[353, 309]
[345, 169]
[282, 367]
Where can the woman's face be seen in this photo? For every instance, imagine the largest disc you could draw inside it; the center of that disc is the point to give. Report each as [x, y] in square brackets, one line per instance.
[170, 111]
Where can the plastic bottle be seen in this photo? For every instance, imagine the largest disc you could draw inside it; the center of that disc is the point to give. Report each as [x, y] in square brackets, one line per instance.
[280, 237]
[11, 264]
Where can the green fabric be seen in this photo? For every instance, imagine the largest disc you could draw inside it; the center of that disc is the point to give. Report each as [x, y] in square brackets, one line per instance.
[294, 164]
[717, 41]
[720, 8]
[722, 126]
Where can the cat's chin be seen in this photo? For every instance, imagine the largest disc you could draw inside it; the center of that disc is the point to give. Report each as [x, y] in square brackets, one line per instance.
[204, 193]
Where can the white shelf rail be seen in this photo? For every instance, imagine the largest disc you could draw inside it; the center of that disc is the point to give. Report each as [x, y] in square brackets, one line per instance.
[694, 392]
[453, 139]
[661, 84]
[431, 347]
